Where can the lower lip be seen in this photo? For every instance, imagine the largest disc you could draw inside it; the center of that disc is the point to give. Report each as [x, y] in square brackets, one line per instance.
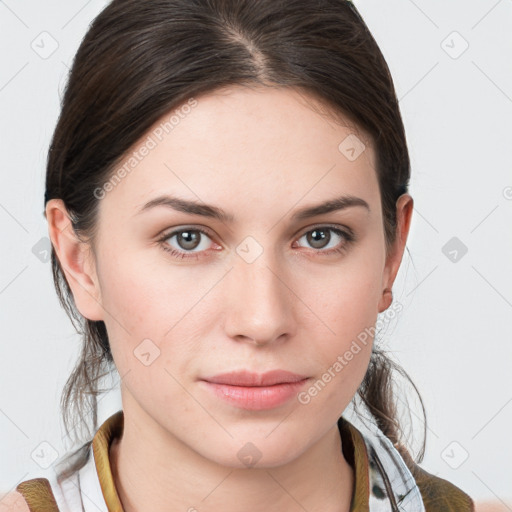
[257, 398]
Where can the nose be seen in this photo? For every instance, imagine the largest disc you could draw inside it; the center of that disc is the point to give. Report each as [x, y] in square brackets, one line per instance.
[259, 302]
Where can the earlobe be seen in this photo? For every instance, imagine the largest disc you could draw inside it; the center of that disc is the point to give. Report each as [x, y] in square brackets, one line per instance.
[76, 261]
[386, 300]
[404, 208]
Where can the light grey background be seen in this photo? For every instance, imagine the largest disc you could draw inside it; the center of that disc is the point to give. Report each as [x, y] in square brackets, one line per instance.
[454, 333]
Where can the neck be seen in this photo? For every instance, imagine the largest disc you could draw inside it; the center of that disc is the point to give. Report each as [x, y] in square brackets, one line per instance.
[160, 478]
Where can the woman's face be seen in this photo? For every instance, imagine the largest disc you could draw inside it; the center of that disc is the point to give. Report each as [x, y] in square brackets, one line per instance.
[238, 272]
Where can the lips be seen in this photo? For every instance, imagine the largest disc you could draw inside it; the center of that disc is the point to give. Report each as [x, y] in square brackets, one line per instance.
[246, 378]
[254, 391]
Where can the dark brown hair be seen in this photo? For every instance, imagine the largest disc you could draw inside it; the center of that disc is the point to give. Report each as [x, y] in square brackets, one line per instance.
[141, 59]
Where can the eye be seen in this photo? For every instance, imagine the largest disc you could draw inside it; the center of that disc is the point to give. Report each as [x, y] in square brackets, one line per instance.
[195, 242]
[188, 242]
[321, 239]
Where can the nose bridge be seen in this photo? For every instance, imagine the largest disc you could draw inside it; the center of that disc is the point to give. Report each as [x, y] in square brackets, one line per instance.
[260, 303]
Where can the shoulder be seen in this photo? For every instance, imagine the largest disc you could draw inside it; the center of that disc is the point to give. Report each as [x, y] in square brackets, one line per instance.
[14, 502]
[440, 495]
[30, 496]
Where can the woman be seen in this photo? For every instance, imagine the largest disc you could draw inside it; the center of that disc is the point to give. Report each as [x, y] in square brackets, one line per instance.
[227, 201]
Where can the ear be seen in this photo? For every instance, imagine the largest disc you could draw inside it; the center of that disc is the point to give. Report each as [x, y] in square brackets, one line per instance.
[76, 260]
[404, 208]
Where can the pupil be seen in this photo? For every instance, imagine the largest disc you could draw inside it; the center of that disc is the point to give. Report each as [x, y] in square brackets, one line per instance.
[189, 238]
[318, 236]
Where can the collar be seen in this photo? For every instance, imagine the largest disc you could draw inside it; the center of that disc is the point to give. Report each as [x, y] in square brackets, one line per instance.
[109, 430]
[365, 453]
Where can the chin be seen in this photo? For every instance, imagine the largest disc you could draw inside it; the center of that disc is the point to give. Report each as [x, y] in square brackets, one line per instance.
[260, 453]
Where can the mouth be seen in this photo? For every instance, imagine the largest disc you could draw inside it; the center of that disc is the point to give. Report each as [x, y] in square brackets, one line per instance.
[253, 391]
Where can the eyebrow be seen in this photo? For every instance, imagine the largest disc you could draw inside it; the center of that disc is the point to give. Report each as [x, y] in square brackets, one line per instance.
[194, 208]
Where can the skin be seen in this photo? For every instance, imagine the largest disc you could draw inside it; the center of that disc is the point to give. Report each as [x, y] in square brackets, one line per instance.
[259, 154]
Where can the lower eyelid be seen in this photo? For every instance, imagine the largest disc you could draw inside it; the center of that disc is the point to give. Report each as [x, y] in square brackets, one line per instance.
[172, 234]
[345, 235]
[180, 253]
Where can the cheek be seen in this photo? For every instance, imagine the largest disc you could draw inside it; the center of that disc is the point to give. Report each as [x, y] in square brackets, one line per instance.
[343, 346]
[150, 297]
[344, 301]
[344, 304]
[150, 316]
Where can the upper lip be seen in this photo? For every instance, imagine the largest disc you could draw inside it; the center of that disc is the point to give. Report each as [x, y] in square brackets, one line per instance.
[246, 378]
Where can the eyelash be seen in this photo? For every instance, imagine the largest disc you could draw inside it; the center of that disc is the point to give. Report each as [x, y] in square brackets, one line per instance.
[348, 235]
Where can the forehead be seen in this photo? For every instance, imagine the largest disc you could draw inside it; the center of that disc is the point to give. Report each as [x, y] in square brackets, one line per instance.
[238, 144]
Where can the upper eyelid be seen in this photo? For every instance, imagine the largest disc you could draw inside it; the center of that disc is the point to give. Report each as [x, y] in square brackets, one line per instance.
[209, 232]
[343, 229]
